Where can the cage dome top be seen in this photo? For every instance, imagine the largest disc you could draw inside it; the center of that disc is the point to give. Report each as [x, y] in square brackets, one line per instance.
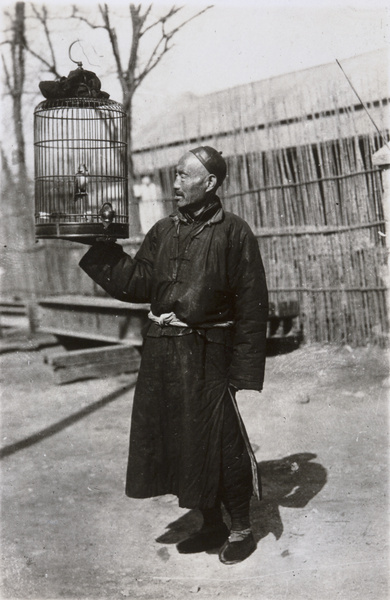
[65, 107]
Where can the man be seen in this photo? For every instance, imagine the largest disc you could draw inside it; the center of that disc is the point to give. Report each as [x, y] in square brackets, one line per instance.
[202, 273]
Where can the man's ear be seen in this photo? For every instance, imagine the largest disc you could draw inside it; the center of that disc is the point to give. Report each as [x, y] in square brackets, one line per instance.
[212, 183]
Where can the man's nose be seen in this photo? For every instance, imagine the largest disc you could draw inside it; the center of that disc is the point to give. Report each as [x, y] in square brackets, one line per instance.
[176, 183]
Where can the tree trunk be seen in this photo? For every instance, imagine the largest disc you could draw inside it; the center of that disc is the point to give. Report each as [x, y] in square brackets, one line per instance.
[23, 236]
[135, 226]
[18, 85]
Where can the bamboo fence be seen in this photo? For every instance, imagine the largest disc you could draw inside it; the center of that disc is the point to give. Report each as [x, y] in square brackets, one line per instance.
[317, 213]
[300, 173]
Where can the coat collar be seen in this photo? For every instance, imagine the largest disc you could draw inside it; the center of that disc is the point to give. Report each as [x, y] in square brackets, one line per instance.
[212, 214]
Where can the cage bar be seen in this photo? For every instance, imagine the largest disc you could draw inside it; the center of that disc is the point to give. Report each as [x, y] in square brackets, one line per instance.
[81, 183]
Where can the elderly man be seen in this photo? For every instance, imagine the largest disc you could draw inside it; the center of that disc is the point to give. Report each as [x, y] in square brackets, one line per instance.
[201, 271]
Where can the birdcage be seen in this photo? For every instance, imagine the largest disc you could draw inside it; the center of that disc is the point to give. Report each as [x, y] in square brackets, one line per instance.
[80, 168]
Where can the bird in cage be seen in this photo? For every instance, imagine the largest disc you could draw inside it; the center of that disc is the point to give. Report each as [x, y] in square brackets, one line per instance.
[107, 214]
[80, 182]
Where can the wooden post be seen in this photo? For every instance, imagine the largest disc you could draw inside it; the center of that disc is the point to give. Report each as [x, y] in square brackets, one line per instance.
[381, 159]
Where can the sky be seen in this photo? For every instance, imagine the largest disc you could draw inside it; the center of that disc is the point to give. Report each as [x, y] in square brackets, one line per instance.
[234, 42]
[237, 43]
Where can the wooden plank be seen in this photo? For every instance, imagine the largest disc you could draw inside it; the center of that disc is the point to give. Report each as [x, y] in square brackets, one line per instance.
[12, 309]
[131, 330]
[17, 321]
[71, 333]
[101, 354]
[103, 319]
[97, 371]
[95, 363]
[22, 345]
[69, 300]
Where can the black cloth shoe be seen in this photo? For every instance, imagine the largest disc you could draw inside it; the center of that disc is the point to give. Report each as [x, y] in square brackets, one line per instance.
[209, 537]
[233, 552]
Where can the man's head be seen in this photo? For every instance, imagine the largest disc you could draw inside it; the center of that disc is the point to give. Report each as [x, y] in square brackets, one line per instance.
[198, 175]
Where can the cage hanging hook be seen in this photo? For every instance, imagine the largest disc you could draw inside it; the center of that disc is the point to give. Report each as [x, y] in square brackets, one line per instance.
[77, 62]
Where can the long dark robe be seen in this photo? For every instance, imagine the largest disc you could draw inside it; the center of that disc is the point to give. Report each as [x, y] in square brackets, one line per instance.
[210, 275]
[175, 440]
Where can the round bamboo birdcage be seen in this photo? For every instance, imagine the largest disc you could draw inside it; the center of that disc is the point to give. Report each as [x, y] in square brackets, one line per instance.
[81, 187]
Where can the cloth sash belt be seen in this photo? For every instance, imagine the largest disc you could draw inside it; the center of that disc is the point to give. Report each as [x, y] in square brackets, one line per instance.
[171, 319]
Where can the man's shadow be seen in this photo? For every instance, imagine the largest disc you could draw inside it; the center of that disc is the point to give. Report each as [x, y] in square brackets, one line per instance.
[290, 482]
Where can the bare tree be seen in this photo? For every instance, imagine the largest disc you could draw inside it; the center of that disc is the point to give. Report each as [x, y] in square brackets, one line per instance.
[130, 73]
[17, 226]
[18, 184]
[14, 68]
[42, 16]
[14, 72]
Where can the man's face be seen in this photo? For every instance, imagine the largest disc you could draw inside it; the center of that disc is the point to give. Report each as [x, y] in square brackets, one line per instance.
[192, 181]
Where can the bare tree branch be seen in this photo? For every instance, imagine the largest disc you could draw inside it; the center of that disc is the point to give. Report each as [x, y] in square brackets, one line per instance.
[51, 64]
[5, 165]
[104, 11]
[8, 82]
[154, 57]
[163, 19]
[162, 46]
[76, 15]
[146, 14]
[15, 81]
[51, 68]
[183, 23]
[137, 21]
[42, 17]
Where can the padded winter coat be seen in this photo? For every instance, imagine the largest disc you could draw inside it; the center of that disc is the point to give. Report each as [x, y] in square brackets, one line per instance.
[215, 275]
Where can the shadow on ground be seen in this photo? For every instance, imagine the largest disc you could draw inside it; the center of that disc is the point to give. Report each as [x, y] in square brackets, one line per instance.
[66, 422]
[290, 482]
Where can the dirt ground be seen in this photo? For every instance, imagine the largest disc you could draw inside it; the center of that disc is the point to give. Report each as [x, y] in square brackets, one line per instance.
[320, 434]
